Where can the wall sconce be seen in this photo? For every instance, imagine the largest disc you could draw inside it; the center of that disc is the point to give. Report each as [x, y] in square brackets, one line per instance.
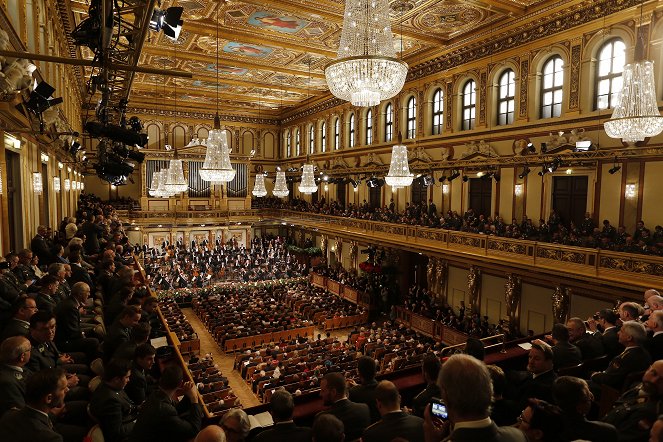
[631, 190]
[69, 169]
[12, 141]
[44, 157]
[82, 186]
[60, 165]
[67, 184]
[518, 189]
[37, 185]
[56, 183]
[78, 185]
[326, 187]
[569, 171]
[445, 189]
[0, 181]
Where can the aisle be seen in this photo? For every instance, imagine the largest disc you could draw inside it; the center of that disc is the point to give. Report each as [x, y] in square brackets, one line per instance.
[225, 362]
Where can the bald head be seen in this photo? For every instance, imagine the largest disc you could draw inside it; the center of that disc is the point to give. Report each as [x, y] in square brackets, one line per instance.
[649, 293]
[211, 433]
[387, 397]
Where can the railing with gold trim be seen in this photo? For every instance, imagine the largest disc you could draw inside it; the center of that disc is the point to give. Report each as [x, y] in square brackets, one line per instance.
[429, 327]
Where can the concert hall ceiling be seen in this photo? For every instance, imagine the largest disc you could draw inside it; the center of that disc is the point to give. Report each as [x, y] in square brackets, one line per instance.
[272, 53]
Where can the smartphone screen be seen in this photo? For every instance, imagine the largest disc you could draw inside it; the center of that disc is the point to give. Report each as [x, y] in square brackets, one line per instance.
[439, 410]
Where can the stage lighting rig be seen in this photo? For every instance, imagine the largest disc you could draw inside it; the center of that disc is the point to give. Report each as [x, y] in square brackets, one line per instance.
[116, 133]
[168, 21]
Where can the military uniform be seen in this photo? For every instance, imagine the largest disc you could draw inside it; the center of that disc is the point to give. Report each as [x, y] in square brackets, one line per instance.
[633, 414]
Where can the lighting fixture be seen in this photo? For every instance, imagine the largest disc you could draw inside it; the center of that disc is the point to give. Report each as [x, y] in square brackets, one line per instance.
[175, 181]
[280, 188]
[67, 184]
[326, 187]
[0, 181]
[631, 190]
[154, 187]
[37, 185]
[636, 114]
[614, 169]
[83, 186]
[454, 174]
[366, 70]
[480, 174]
[569, 171]
[217, 167]
[168, 21]
[443, 178]
[44, 157]
[445, 188]
[60, 165]
[466, 178]
[308, 185]
[531, 148]
[518, 189]
[259, 189]
[399, 169]
[525, 172]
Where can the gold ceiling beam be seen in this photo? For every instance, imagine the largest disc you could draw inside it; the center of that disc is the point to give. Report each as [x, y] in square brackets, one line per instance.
[222, 94]
[263, 85]
[234, 63]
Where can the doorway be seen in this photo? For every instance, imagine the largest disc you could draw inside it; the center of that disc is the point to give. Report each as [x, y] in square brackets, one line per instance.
[14, 200]
[481, 195]
[569, 198]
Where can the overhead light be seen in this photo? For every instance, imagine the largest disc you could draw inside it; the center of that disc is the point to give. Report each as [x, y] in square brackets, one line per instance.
[525, 172]
[366, 70]
[614, 169]
[544, 148]
[455, 174]
[531, 148]
[480, 174]
[44, 157]
[399, 169]
[445, 188]
[443, 178]
[280, 188]
[569, 171]
[168, 21]
[518, 189]
[583, 146]
[39, 100]
[631, 190]
[60, 165]
[56, 183]
[67, 184]
[259, 189]
[308, 185]
[466, 178]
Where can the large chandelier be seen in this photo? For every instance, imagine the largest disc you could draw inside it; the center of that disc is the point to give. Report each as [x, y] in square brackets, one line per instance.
[154, 187]
[175, 182]
[280, 188]
[217, 167]
[366, 70]
[259, 189]
[636, 114]
[308, 180]
[399, 170]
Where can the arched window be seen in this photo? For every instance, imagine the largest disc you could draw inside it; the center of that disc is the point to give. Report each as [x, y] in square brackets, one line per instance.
[438, 111]
[609, 71]
[337, 134]
[411, 117]
[551, 90]
[369, 127]
[298, 143]
[351, 132]
[506, 103]
[323, 137]
[311, 139]
[388, 122]
[288, 145]
[469, 105]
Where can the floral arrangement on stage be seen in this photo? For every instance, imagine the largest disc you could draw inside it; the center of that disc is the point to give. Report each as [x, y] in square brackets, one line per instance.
[369, 267]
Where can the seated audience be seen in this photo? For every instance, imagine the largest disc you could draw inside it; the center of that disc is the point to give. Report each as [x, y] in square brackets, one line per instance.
[328, 428]
[355, 417]
[590, 345]
[236, 425]
[110, 406]
[394, 422]
[282, 407]
[541, 421]
[141, 383]
[19, 324]
[14, 355]
[504, 411]
[565, 354]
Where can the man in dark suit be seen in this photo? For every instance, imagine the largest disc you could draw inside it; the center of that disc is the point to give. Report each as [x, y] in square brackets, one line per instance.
[633, 359]
[46, 296]
[141, 383]
[565, 354]
[162, 418]
[467, 393]
[14, 354]
[284, 429]
[355, 417]
[655, 342]
[19, 324]
[607, 320]
[575, 400]
[11, 283]
[78, 272]
[40, 247]
[110, 405]
[430, 368]
[121, 330]
[537, 381]
[44, 395]
[364, 393]
[394, 423]
[590, 345]
[23, 271]
[69, 335]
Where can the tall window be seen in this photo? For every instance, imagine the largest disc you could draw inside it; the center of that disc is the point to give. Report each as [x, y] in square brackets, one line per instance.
[551, 92]
[323, 137]
[507, 98]
[298, 143]
[337, 134]
[609, 73]
[311, 139]
[438, 111]
[288, 144]
[351, 132]
[469, 105]
[369, 127]
[388, 122]
[411, 117]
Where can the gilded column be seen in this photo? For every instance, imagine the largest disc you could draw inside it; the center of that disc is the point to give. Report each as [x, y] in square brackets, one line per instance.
[512, 295]
[474, 288]
[561, 299]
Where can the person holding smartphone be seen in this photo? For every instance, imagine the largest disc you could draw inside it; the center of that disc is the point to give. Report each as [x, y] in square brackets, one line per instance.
[466, 392]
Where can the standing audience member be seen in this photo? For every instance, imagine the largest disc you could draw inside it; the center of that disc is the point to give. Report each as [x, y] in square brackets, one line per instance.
[395, 423]
[364, 393]
[284, 429]
[430, 368]
[467, 392]
[162, 418]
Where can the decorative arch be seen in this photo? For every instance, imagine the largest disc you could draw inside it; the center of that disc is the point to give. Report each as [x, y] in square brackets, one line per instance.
[154, 130]
[430, 107]
[383, 121]
[493, 94]
[536, 77]
[248, 142]
[269, 145]
[179, 136]
[458, 88]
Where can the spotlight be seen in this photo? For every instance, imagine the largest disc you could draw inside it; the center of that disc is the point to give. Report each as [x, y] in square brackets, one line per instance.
[614, 169]
[428, 181]
[442, 179]
[455, 174]
[525, 172]
[39, 99]
[531, 148]
[116, 133]
[544, 148]
[168, 21]
[544, 170]
[465, 178]
[135, 124]
[75, 146]
[497, 177]
[583, 146]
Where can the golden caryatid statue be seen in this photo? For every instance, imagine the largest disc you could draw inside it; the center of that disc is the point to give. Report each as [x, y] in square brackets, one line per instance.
[323, 245]
[441, 272]
[354, 249]
[474, 288]
[512, 293]
[430, 273]
[561, 299]
[338, 246]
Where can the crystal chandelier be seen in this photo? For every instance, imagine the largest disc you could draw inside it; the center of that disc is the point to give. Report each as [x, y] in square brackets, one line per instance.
[366, 70]
[217, 167]
[399, 170]
[280, 189]
[259, 189]
[636, 114]
[175, 182]
[308, 180]
[154, 189]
